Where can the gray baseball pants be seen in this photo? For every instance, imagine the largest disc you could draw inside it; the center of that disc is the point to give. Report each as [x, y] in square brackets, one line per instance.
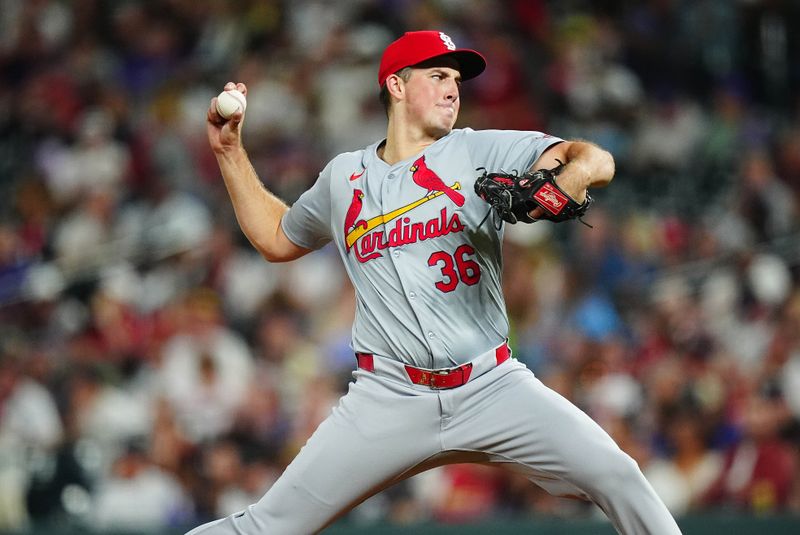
[385, 430]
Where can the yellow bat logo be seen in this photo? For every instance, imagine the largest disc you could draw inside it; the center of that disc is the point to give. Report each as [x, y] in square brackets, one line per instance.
[374, 222]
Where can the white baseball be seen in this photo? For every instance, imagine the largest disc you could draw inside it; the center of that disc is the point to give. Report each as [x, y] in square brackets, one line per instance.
[229, 102]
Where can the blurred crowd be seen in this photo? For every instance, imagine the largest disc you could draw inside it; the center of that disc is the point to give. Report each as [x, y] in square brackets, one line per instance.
[149, 356]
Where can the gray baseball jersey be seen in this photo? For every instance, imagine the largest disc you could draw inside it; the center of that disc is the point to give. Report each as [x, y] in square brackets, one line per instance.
[425, 271]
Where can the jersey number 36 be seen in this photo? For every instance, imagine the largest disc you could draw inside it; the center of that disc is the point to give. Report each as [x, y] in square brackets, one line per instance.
[456, 268]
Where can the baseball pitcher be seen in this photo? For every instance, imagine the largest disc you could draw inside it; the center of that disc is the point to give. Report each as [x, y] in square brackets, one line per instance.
[418, 221]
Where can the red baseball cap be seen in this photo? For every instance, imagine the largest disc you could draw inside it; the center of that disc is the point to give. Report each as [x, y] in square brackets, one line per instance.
[416, 47]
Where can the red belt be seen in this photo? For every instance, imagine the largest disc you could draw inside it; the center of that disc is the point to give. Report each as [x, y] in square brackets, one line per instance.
[440, 379]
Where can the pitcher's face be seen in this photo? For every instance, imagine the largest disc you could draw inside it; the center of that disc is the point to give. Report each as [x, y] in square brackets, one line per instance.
[432, 97]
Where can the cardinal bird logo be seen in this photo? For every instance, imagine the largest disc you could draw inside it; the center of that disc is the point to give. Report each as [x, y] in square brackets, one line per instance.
[350, 220]
[426, 178]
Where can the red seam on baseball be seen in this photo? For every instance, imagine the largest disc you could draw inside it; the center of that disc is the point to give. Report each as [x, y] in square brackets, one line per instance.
[240, 97]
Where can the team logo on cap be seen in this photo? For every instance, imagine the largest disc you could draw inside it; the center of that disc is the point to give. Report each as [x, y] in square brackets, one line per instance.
[447, 41]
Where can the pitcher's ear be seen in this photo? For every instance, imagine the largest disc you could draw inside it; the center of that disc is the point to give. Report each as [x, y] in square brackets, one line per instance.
[395, 86]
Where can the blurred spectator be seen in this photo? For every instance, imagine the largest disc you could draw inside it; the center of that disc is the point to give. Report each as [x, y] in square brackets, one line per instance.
[758, 472]
[158, 497]
[262, 423]
[205, 368]
[788, 158]
[221, 471]
[285, 354]
[97, 162]
[788, 357]
[242, 278]
[463, 493]
[103, 414]
[606, 389]
[668, 133]
[30, 429]
[765, 202]
[87, 228]
[347, 88]
[254, 481]
[683, 477]
[13, 264]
